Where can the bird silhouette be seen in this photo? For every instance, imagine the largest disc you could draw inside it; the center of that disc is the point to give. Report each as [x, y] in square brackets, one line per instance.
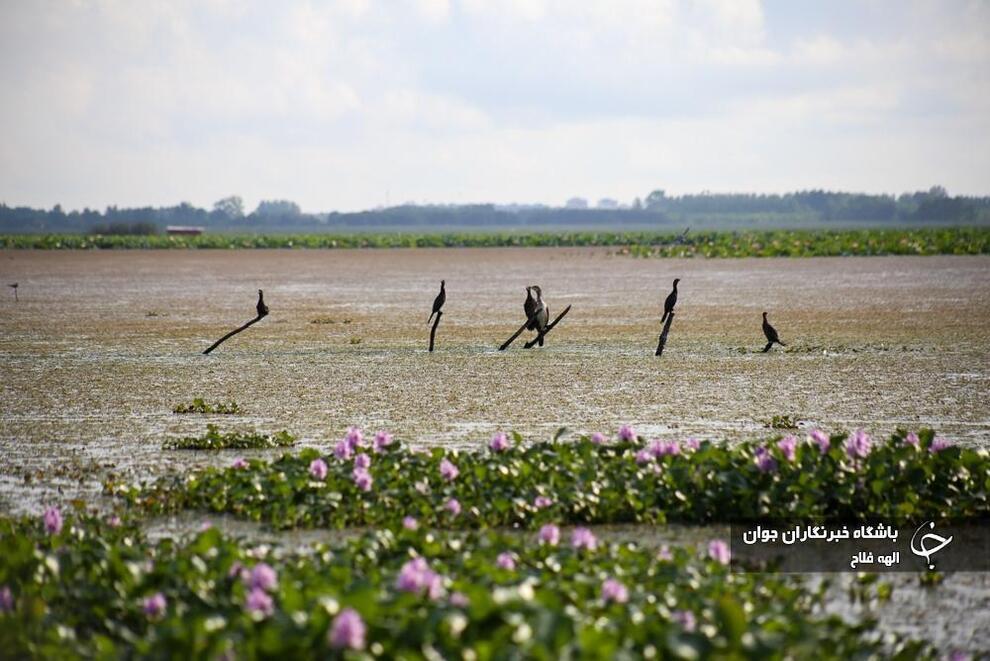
[262, 308]
[438, 301]
[771, 334]
[668, 305]
[537, 310]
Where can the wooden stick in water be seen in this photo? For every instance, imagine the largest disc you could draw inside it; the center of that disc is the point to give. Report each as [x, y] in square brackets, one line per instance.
[529, 345]
[433, 331]
[233, 333]
[663, 334]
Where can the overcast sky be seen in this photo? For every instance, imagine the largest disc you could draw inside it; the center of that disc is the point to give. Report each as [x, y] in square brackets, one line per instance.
[351, 104]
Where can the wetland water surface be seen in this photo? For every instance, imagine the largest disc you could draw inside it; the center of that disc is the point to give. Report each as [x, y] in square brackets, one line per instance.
[102, 345]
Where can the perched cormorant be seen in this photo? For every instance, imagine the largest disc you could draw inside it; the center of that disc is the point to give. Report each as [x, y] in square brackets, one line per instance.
[771, 334]
[438, 301]
[538, 310]
[668, 305]
[262, 308]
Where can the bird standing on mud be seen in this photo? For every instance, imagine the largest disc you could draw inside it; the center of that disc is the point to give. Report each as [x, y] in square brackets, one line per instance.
[668, 305]
[438, 301]
[537, 311]
[771, 334]
[261, 307]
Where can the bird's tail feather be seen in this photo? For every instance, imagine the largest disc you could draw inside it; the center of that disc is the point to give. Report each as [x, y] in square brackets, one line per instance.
[664, 317]
[430, 319]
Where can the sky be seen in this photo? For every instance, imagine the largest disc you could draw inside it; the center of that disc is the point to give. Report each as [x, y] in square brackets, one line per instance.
[354, 104]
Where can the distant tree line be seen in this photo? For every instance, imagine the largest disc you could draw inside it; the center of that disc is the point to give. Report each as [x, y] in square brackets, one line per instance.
[934, 205]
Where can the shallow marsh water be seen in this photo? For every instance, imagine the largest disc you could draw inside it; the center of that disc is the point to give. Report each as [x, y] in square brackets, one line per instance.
[102, 345]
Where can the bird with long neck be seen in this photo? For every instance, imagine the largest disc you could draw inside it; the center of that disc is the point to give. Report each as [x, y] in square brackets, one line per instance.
[668, 305]
[771, 334]
[261, 307]
[529, 308]
[438, 301]
[541, 313]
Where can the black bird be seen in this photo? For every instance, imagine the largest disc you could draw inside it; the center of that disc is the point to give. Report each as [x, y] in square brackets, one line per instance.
[262, 308]
[438, 301]
[14, 287]
[668, 305]
[771, 334]
[537, 310]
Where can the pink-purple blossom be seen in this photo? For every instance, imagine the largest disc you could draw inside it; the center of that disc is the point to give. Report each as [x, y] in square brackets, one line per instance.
[788, 447]
[598, 438]
[363, 461]
[382, 440]
[938, 445]
[416, 577]
[343, 450]
[347, 631]
[718, 551]
[858, 445]
[263, 577]
[614, 591]
[685, 619]
[549, 534]
[448, 470]
[505, 560]
[499, 443]
[912, 439]
[764, 462]
[627, 433]
[582, 538]
[239, 464]
[53, 520]
[318, 469]
[821, 439]
[113, 521]
[664, 553]
[410, 523]
[644, 456]
[541, 502]
[354, 438]
[692, 444]
[661, 448]
[362, 479]
[459, 599]
[259, 602]
[453, 506]
[155, 605]
[6, 600]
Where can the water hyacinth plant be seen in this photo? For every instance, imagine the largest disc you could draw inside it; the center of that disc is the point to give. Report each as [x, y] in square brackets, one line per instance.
[214, 439]
[584, 482]
[99, 591]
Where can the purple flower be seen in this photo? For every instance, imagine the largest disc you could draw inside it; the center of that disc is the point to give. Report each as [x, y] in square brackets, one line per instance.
[237, 569]
[598, 438]
[664, 553]
[541, 502]
[53, 521]
[6, 600]
[410, 523]
[499, 443]
[239, 464]
[692, 444]
[154, 606]
[627, 433]
[263, 577]
[938, 445]
[362, 479]
[912, 439]
[821, 439]
[506, 561]
[582, 538]
[416, 576]
[959, 655]
[549, 534]
[362, 461]
[347, 631]
[858, 445]
[382, 440]
[459, 599]
[453, 506]
[448, 470]
[788, 447]
[644, 456]
[614, 591]
[318, 469]
[719, 551]
[764, 462]
[259, 602]
[113, 521]
[354, 438]
[685, 619]
[343, 450]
